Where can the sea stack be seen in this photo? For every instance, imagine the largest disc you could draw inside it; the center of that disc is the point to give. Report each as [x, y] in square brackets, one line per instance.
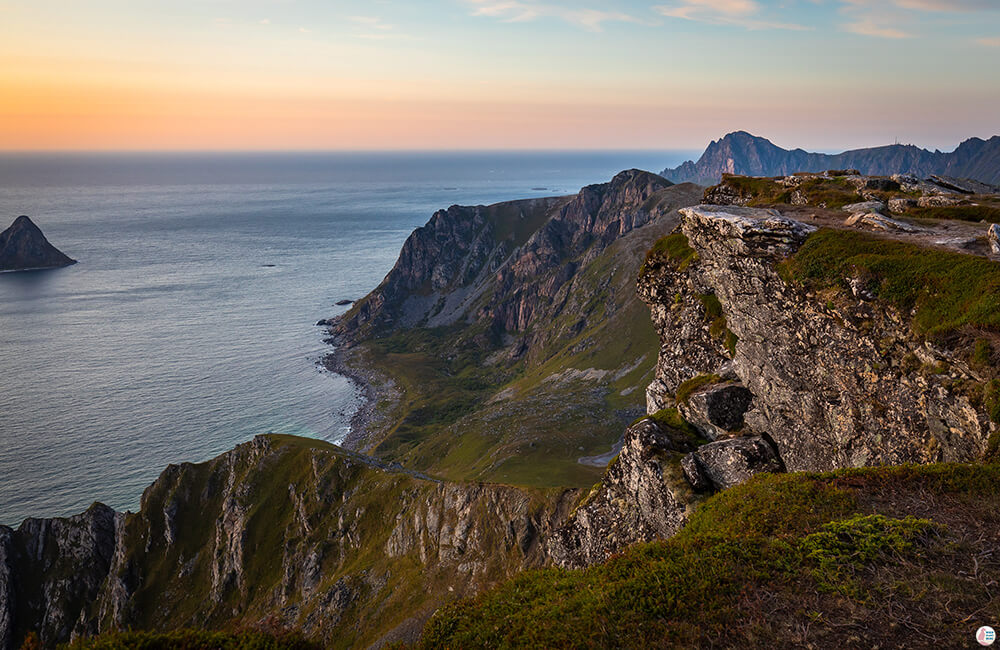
[23, 247]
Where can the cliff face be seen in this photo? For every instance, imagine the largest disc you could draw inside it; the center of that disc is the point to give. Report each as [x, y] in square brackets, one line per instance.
[743, 153]
[506, 265]
[23, 246]
[830, 381]
[282, 529]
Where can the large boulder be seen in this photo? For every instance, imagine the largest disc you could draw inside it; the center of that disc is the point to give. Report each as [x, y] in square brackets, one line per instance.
[879, 222]
[864, 207]
[993, 236]
[726, 463]
[717, 410]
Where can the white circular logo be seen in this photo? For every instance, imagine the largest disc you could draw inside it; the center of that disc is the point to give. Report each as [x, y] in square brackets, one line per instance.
[986, 635]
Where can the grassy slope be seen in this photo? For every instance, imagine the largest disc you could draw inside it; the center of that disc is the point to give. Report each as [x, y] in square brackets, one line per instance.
[466, 416]
[856, 557]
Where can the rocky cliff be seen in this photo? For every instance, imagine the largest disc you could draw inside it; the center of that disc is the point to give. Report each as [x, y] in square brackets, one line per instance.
[743, 153]
[287, 531]
[23, 247]
[802, 344]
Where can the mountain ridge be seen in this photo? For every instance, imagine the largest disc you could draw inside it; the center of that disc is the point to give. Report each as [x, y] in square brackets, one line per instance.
[743, 153]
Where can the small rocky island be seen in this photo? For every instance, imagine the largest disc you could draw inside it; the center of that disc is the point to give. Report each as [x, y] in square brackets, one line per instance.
[24, 247]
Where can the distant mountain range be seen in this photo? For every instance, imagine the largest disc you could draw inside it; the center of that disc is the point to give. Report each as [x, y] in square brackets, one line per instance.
[747, 154]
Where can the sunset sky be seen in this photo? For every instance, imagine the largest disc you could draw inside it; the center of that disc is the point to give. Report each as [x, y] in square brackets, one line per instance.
[469, 74]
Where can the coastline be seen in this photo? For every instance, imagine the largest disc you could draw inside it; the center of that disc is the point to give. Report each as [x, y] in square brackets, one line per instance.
[375, 388]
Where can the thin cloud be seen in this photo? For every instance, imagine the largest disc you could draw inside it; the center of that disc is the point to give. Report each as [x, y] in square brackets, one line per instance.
[370, 22]
[948, 5]
[514, 11]
[264, 21]
[989, 42]
[743, 13]
[869, 27]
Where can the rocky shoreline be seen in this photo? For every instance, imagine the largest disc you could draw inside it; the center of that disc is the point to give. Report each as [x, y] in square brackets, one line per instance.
[375, 389]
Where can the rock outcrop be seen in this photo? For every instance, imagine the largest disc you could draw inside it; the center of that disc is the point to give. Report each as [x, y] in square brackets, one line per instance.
[643, 496]
[832, 384]
[24, 247]
[743, 153]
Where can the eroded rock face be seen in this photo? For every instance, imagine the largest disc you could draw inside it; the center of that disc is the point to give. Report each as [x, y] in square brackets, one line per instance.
[830, 383]
[51, 571]
[643, 496]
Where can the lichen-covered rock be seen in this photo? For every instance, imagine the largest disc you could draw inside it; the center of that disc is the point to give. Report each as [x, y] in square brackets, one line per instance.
[876, 221]
[717, 410]
[993, 237]
[726, 463]
[899, 206]
[865, 207]
[643, 496]
[938, 201]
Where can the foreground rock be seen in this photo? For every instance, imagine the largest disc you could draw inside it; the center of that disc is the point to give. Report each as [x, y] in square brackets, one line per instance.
[725, 463]
[24, 247]
[643, 496]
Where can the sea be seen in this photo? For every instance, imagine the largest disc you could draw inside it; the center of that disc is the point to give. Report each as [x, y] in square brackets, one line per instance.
[189, 324]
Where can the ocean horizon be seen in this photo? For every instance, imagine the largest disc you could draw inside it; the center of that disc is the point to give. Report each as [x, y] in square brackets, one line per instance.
[188, 325]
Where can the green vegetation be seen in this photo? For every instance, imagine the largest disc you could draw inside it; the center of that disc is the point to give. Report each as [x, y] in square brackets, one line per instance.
[842, 547]
[982, 353]
[688, 388]
[672, 420]
[829, 192]
[713, 308]
[760, 191]
[193, 640]
[730, 342]
[758, 559]
[674, 248]
[942, 291]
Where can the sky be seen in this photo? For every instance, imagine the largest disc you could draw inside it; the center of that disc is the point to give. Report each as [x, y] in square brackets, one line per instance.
[825, 75]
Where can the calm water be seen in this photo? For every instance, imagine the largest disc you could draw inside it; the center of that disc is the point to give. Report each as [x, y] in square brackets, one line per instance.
[188, 325]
